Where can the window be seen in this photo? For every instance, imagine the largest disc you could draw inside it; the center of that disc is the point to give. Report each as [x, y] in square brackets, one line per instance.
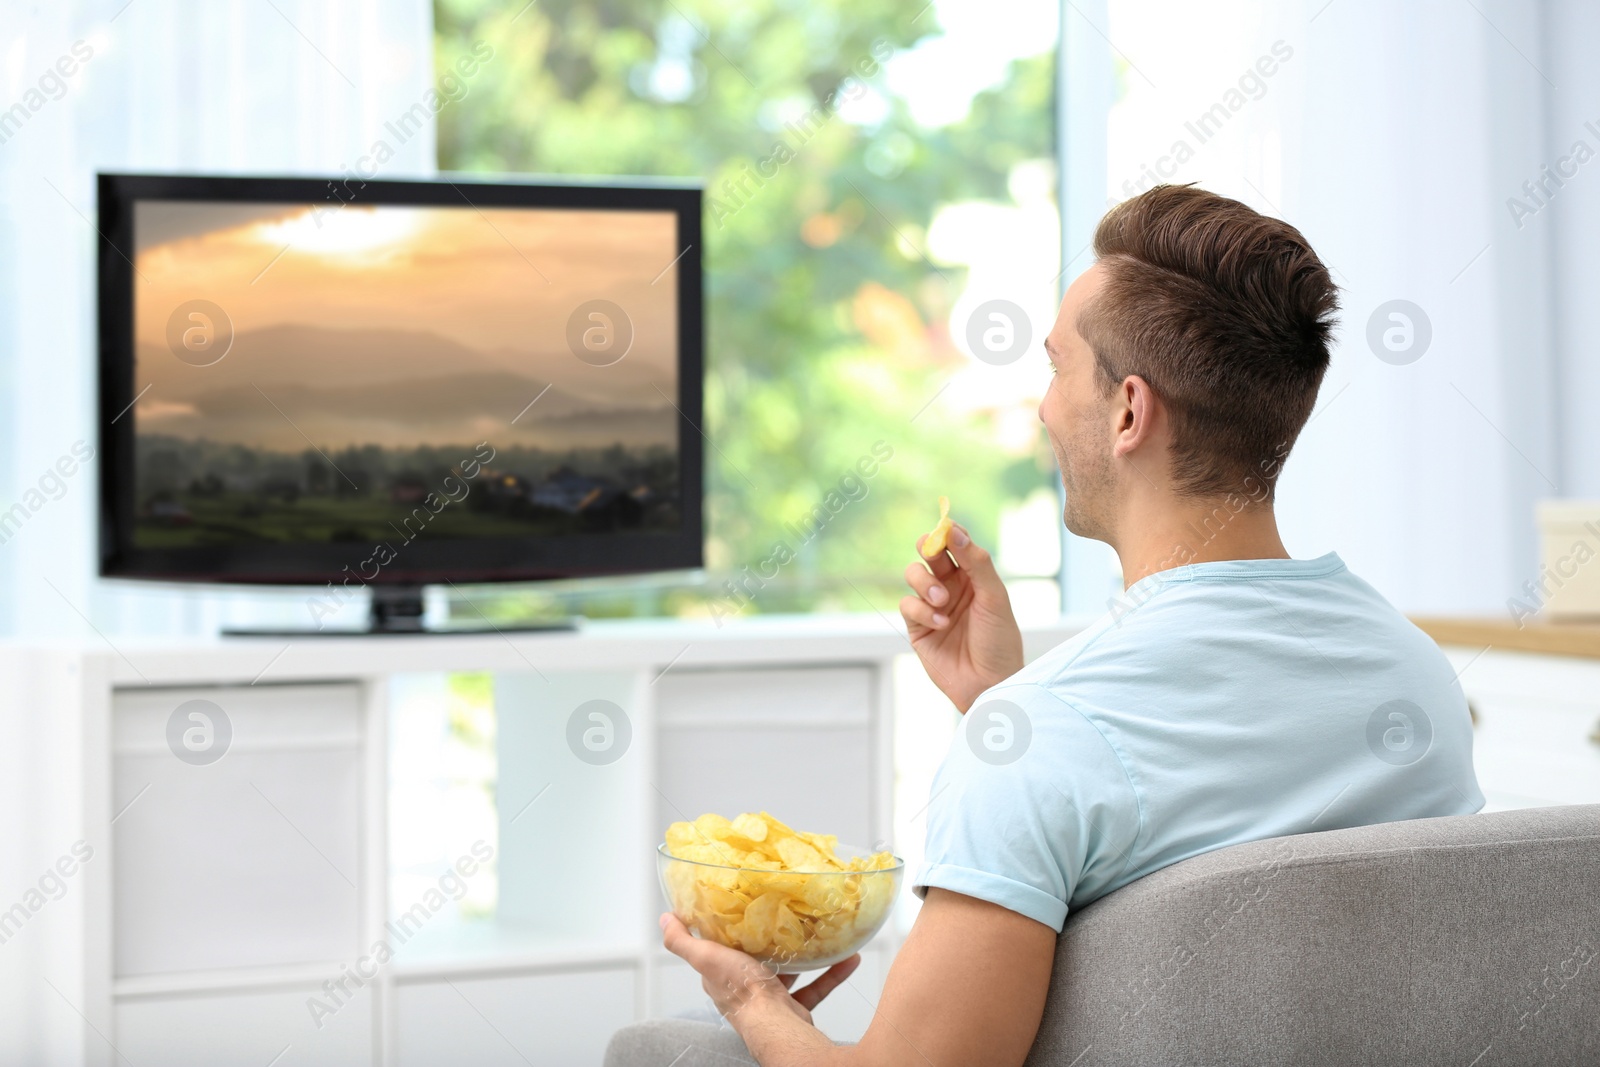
[875, 174]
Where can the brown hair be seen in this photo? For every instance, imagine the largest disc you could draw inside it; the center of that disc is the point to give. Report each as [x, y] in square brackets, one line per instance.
[1227, 314]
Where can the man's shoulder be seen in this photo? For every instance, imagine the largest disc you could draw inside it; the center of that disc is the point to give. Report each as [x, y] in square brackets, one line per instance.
[1189, 618]
[1122, 635]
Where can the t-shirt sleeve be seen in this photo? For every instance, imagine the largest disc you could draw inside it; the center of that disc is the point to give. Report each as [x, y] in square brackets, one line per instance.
[1031, 807]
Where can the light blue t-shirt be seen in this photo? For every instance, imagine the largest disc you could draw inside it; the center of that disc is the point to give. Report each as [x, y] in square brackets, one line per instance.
[1217, 703]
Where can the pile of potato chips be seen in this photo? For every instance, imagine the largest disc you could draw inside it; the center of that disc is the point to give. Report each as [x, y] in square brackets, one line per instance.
[779, 894]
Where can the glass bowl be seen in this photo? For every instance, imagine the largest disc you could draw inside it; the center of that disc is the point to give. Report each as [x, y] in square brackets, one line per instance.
[792, 921]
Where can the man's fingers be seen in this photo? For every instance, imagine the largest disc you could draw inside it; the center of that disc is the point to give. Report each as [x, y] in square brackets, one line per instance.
[978, 564]
[918, 612]
[941, 564]
[677, 938]
[927, 586]
[680, 942]
[826, 983]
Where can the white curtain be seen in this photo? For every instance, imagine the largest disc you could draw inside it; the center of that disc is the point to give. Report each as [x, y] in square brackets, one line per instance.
[189, 86]
[245, 86]
[1393, 135]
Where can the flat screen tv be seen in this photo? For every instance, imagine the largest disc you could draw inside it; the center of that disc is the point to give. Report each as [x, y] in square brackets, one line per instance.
[388, 383]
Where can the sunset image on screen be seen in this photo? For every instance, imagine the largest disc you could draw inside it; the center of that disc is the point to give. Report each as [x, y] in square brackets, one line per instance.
[309, 373]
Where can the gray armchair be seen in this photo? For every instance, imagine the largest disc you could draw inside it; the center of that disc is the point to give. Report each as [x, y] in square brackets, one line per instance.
[1468, 941]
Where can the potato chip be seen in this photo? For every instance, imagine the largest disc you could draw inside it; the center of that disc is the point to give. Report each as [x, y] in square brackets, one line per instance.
[824, 843]
[781, 895]
[799, 856]
[753, 827]
[711, 828]
[939, 536]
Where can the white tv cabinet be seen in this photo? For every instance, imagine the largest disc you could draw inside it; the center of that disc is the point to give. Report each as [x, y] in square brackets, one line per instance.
[221, 901]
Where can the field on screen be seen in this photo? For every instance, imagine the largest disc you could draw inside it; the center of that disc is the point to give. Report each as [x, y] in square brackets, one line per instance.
[384, 358]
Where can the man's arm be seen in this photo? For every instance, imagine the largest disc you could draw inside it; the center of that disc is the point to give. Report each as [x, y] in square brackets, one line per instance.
[968, 987]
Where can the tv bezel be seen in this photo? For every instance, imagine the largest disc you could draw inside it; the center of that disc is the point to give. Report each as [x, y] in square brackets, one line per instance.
[420, 561]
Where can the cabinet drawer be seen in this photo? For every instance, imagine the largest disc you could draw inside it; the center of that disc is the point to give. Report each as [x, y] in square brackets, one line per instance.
[801, 697]
[253, 859]
[819, 779]
[1534, 755]
[553, 1020]
[798, 743]
[245, 1030]
[1534, 744]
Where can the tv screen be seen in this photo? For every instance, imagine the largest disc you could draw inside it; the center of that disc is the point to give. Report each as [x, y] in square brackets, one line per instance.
[404, 381]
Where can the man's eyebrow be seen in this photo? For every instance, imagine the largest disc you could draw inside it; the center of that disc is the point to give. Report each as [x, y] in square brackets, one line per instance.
[1050, 348]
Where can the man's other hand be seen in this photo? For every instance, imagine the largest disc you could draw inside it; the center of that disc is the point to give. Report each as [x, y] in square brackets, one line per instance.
[960, 620]
[730, 978]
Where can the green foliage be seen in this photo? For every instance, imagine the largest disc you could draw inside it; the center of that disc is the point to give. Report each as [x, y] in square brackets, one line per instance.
[471, 710]
[827, 327]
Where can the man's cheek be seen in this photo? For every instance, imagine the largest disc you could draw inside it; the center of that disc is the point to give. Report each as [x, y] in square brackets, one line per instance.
[1060, 454]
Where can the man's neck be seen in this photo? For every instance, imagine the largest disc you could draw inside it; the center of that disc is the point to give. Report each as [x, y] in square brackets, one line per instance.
[1203, 532]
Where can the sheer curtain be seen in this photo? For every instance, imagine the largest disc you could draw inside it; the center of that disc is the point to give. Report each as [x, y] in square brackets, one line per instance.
[201, 86]
[1393, 136]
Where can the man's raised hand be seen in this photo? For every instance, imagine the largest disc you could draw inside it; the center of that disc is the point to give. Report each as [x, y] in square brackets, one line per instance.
[960, 620]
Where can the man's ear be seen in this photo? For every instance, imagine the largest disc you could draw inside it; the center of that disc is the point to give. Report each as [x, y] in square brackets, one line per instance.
[1137, 411]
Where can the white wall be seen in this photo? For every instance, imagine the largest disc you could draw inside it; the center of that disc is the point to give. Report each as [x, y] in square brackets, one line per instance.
[1392, 138]
[1084, 80]
[207, 86]
[1572, 223]
[1414, 122]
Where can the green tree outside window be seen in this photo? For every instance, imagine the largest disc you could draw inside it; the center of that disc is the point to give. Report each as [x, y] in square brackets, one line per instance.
[828, 326]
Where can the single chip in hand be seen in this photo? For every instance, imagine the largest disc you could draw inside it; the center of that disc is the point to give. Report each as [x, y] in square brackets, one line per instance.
[939, 536]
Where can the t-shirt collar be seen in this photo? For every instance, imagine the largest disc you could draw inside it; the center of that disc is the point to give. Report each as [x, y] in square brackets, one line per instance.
[1240, 570]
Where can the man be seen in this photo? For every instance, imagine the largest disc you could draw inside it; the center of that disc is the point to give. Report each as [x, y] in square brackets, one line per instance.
[1232, 694]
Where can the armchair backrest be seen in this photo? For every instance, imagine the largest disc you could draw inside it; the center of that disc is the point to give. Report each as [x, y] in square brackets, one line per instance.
[1469, 940]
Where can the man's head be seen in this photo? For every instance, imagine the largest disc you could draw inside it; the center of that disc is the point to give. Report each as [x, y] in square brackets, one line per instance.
[1187, 358]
